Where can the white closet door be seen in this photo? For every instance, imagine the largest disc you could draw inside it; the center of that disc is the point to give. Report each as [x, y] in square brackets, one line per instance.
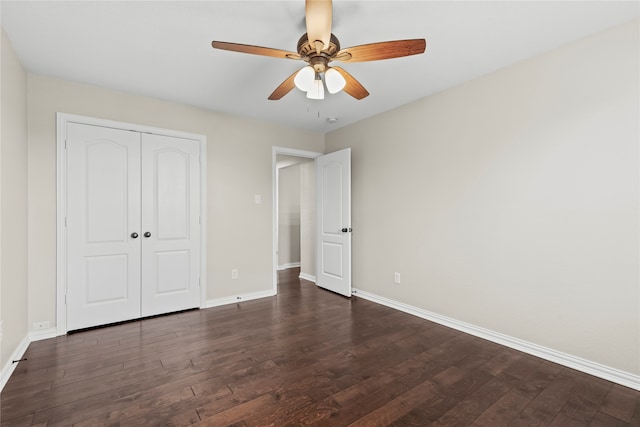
[170, 224]
[103, 204]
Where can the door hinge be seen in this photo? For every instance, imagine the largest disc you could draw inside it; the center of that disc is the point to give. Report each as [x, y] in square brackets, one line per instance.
[65, 143]
[65, 221]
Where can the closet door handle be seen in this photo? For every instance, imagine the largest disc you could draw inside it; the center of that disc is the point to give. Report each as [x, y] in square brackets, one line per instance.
[147, 234]
[134, 235]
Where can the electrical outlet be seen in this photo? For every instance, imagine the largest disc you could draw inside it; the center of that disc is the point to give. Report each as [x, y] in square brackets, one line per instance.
[234, 273]
[396, 278]
[40, 325]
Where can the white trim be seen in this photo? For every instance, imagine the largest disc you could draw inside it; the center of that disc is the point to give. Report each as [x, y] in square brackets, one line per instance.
[9, 366]
[289, 265]
[42, 334]
[61, 212]
[61, 196]
[307, 277]
[274, 201]
[626, 379]
[203, 221]
[234, 299]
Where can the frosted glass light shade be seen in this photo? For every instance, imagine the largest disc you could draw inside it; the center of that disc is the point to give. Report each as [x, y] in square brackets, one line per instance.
[334, 80]
[305, 78]
[317, 91]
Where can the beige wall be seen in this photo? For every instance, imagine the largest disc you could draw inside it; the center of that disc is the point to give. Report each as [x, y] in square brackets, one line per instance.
[239, 166]
[289, 215]
[511, 202]
[308, 218]
[13, 202]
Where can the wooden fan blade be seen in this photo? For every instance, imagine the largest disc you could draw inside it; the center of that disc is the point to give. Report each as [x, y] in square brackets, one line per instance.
[284, 88]
[318, 14]
[353, 87]
[382, 50]
[255, 50]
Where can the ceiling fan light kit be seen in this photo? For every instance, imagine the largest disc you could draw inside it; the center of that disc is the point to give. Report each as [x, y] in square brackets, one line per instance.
[317, 90]
[304, 78]
[318, 47]
[334, 81]
[309, 81]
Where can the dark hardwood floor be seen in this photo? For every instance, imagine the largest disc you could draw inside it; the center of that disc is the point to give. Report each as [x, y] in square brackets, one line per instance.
[305, 357]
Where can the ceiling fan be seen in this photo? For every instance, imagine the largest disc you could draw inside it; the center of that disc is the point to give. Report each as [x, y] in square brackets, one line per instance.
[318, 47]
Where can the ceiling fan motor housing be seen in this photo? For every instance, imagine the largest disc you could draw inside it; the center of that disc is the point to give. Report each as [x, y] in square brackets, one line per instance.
[318, 61]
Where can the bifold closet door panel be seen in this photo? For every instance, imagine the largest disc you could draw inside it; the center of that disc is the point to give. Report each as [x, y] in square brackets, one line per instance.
[170, 222]
[103, 213]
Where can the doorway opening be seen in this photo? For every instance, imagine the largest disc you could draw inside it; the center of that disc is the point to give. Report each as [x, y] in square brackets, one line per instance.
[294, 213]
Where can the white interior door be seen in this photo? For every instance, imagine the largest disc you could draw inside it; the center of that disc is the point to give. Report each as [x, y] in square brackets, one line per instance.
[133, 225]
[333, 181]
[171, 224]
[103, 281]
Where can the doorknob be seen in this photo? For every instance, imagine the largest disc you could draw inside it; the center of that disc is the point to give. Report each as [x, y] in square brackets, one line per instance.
[134, 235]
[147, 234]
[346, 230]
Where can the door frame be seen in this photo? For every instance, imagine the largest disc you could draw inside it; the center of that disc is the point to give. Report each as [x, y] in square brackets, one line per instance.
[274, 182]
[62, 119]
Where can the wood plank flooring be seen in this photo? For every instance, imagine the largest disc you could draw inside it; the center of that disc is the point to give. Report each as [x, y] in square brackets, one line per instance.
[305, 357]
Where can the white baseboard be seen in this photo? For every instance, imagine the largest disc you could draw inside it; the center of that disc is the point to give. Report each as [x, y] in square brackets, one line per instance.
[239, 298]
[290, 265]
[626, 379]
[308, 277]
[9, 366]
[43, 334]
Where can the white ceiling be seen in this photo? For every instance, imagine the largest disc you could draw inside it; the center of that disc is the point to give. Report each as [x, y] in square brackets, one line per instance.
[163, 49]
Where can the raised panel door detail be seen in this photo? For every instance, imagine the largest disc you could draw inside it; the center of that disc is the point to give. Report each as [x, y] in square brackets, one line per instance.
[332, 259]
[171, 175]
[107, 278]
[172, 272]
[332, 198]
[107, 191]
